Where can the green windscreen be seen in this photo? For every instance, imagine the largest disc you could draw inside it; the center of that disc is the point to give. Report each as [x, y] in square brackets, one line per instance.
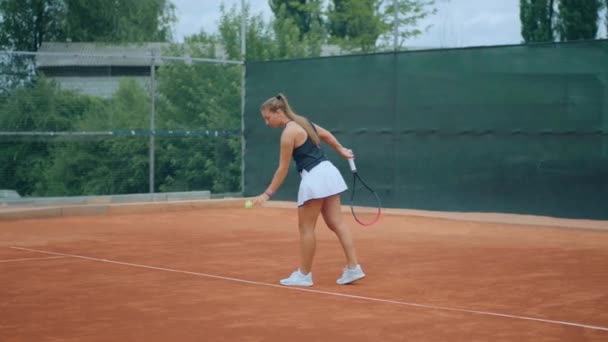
[515, 129]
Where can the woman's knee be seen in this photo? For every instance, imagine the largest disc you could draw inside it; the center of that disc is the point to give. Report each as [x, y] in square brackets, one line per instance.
[332, 220]
[332, 224]
[306, 228]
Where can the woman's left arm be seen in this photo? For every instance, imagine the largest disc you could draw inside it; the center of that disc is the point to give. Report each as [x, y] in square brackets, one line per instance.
[287, 143]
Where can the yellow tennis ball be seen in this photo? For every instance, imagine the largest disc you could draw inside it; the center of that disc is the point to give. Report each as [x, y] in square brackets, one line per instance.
[248, 204]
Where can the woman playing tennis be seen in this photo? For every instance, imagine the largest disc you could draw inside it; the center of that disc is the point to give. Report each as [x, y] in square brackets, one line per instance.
[320, 187]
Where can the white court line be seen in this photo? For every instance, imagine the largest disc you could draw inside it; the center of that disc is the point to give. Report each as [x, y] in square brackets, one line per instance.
[12, 260]
[336, 294]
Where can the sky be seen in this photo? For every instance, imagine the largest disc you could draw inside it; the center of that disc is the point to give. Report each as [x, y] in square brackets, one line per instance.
[457, 23]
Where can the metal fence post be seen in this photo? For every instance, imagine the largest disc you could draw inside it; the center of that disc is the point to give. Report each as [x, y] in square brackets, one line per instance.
[152, 114]
[243, 74]
[395, 26]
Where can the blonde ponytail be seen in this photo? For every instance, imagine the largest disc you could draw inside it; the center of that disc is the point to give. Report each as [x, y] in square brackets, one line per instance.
[280, 102]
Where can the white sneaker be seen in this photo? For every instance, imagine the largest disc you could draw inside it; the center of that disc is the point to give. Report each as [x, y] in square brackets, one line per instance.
[350, 274]
[298, 278]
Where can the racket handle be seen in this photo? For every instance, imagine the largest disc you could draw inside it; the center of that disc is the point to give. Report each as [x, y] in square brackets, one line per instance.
[351, 163]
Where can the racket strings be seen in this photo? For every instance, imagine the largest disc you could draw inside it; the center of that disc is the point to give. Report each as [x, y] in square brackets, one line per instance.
[365, 202]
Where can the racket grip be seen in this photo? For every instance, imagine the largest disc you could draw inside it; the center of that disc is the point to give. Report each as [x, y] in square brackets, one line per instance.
[351, 163]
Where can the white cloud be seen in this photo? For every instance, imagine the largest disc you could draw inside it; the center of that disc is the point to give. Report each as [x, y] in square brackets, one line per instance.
[471, 23]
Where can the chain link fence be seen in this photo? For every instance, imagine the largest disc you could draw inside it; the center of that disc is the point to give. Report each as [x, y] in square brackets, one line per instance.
[90, 119]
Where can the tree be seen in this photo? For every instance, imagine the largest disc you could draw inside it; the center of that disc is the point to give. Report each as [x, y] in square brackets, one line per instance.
[207, 96]
[361, 23]
[578, 19]
[123, 21]
[306, 14]
[356, 24]
[36, 107]
[275, 40]
[409, 13]
[25, 24]
[537, 20]
[606, 18]
[100, 165]
[90, 165]
[289, 40]
[15, 70]
[202, 96]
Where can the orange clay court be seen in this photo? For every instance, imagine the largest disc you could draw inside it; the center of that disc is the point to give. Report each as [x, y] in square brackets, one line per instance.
[210, 273]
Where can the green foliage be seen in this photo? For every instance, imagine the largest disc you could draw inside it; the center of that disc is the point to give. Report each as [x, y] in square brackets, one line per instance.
[356, 24]
[204, 96]
[578, 19]
[279, 39]
[409, 15]
[129, 108]
[189, 96]
[359, 24]
[543, 20]
[199, 96]
[305, 14]
[106, 164]
[537, 20]
[606, 17]
[74, 165]
[122, 21]
[38, 107]
[25, 24]
[291, 41]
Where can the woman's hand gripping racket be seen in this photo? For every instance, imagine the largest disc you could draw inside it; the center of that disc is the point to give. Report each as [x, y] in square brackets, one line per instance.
[364, 201]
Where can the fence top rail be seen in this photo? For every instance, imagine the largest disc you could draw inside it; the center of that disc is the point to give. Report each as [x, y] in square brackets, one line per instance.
[139, 132]
[148, 56]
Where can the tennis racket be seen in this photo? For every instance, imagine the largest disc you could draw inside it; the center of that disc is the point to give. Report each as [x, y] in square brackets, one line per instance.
[364, 201]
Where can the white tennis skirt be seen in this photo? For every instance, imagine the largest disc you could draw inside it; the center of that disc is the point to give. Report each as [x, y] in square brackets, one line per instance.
[321, 181]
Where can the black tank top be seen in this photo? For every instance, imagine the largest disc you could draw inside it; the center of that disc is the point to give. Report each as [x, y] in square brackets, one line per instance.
[308, 155]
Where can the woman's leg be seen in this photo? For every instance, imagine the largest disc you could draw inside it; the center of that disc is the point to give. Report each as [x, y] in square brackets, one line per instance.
[307, 220]
[332, 215]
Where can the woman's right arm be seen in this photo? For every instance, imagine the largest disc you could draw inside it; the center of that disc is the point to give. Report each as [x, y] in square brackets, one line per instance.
[331, 140]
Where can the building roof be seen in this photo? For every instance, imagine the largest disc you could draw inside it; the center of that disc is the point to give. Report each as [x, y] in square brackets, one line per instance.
[97, 54]
[51, 55]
